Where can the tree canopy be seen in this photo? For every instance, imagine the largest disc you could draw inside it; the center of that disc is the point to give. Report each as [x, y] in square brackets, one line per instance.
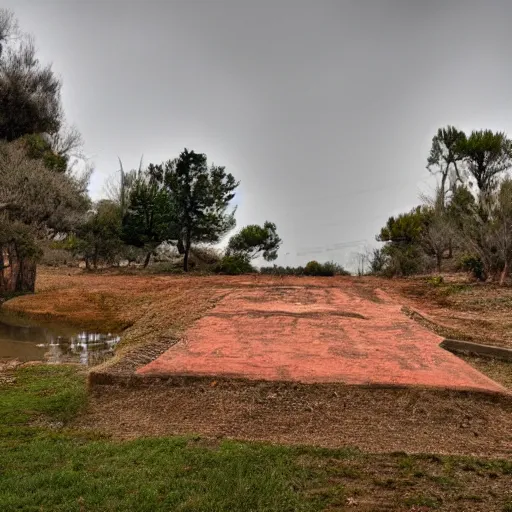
[29, 92]
[99, 237]
[148, 220]
[200, 196]
[487, 155]
[445, 156]
[253, 241]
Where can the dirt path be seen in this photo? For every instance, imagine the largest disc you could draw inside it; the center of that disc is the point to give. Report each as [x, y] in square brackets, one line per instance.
[314, 335]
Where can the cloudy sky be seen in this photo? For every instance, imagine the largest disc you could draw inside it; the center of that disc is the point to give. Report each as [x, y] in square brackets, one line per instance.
[323, 109]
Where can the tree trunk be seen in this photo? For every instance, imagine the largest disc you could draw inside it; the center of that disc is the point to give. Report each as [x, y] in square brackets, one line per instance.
[439, 259]
[187, 252]
[450, 248]
[504, 274]
[19, 275]
[26, 279]
[148, 258]
[95, 258]
[442, 189]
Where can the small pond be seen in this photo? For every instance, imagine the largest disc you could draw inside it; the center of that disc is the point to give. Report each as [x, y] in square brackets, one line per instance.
[53, 343]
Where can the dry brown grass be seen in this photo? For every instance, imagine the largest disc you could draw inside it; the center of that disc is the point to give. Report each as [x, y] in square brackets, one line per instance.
[500, 371]
[373, 419]
[457, 308]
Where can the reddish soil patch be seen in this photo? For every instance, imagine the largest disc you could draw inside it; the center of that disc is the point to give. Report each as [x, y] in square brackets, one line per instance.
[320, 334]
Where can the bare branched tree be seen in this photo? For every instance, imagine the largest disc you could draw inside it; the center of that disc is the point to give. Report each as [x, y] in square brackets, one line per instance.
[118, 185]
[34, 202]
[67, 141]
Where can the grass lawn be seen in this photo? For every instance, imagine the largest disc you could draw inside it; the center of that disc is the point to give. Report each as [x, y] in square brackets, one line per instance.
[46, 466]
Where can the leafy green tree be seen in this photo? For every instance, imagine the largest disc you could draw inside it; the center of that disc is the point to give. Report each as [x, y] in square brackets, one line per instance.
[148, 220]
[99, 237]
[233, 265]
[486, 156]
[405, 228]
[405, 237]
[446, 155]
[254, 240]
[200, 196]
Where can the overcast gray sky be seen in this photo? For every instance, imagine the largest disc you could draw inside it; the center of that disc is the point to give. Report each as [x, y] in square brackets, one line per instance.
[323, 109]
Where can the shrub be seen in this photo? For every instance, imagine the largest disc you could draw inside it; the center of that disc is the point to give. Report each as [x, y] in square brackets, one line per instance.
[403, 260]
[473, 264]
[314, 268]
[56, 257]
[330, 268]
[435, 280]
[377, 261]
[282, 271]
[233, 265]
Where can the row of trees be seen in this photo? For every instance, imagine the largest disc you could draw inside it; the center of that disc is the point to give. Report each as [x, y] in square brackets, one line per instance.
[43, 195]
[469, 219]
[183, 202]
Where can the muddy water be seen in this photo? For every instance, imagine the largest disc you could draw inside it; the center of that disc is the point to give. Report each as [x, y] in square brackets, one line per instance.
[53, 343]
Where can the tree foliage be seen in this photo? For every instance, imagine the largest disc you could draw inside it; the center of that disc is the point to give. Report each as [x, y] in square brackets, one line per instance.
[148, 220]
[30, 192]
[39, 196]
[446, 155]
[486, 156]
[254, 240]
[200, 197]
[29, 91]
[404, 228]
[35, 203]
[99, 237]
[476, 222]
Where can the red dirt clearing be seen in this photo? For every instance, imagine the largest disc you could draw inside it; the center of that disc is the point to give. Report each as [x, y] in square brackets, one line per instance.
[315, 335]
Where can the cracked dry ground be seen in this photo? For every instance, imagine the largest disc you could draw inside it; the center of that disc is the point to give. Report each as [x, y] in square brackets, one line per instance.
[291, 360]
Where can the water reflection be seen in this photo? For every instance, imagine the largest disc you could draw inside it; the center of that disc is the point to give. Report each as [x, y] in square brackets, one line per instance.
[55, 344]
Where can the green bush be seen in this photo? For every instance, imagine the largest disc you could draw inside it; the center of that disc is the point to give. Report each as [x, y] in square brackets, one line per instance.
[282, 271]
[473, 264]
[234, 265]
[330, 268]
[314, 268]
[403, 260]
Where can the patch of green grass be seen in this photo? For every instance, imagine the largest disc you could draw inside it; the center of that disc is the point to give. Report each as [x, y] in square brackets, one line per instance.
[56, 393]
[69, 473]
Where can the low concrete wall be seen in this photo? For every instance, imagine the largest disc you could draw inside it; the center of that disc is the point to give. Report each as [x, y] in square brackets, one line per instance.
[467, 347]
